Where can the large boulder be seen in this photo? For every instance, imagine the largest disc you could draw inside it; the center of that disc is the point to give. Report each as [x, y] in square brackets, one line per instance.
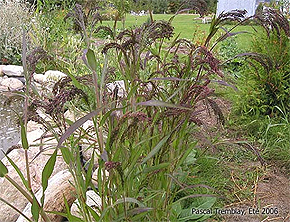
[59, 186]
[11, 70]
[12, 83]
[37, 157]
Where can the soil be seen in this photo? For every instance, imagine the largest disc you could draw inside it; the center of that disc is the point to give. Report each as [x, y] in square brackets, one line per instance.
[270, 201]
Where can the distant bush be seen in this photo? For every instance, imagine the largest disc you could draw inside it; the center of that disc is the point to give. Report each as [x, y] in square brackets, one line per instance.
[14, 15]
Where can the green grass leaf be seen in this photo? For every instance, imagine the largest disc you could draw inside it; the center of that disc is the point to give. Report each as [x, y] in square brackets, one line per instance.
[66, 154]
[155, 168]
[23, 135]
[93, 213]
[35, 209]
[90, 171]
[186, 214]
[24, 181]
[91, 58]
[156, 148]
[3, 169]
[46, 173]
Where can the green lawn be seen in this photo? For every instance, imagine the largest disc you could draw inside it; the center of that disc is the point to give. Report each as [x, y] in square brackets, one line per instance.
[188, 27]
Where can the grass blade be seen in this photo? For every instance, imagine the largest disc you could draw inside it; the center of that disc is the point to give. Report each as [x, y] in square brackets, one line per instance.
[77, 124]
[3, 169]
[24, 181]
[156, 148]
[35, 209]
[156, 168]
[23, 135]
[46, 173]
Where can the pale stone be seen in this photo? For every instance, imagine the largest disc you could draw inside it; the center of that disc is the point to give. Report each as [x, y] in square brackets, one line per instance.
[4, 88]
[1, 69]
[59, 186]
[70, 115]
[121, 87]
[12, 83]
[39, 78]
[53, 76]
[11, 70]
[22, 79]
[37, 162]
[32, 126]
[93, 200]
[88, 125]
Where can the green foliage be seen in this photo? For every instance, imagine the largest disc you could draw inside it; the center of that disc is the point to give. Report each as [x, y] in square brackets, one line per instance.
[3, 169]
[228, 50]
[157, 6]
[275, 140]
[55, 36]
[14, 16]
[265, 89]
[172, 6]
[145, 158]
[265, 84]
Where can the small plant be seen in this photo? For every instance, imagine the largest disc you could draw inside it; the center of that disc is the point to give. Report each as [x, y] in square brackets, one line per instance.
[228, 50]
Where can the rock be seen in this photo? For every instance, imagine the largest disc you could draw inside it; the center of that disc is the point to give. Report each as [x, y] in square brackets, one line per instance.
[5, 77]
[88, 125]
[53, 76]
[1, 69]
[93, 200]
[39, 78]
[121, 87]
[11, 70]
[37, 162]
[4, 88]
[12, 83]
[22, 79]
[59, 186]
[31, 126]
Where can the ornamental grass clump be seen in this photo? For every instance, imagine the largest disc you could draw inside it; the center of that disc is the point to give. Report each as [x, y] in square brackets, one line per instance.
[141, 154]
